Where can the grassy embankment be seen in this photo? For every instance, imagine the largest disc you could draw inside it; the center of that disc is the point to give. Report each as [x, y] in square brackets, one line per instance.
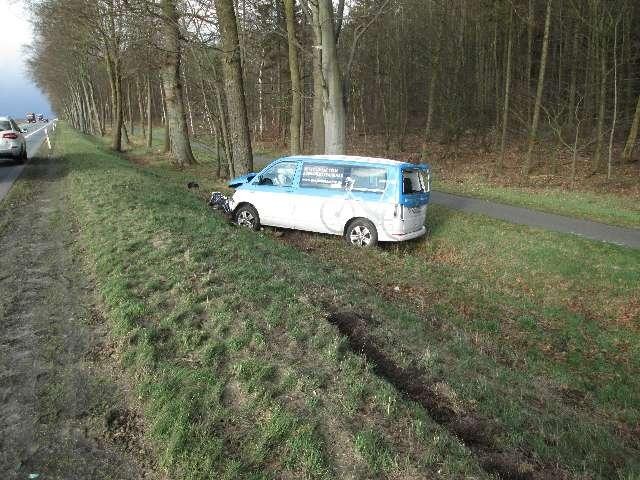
[522, 343]
[240, 372]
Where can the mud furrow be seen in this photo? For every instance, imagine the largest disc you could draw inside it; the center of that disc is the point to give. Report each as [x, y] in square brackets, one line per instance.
[475, 432]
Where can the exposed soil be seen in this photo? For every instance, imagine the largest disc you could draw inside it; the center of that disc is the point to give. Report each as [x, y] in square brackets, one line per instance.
[475, 432]
[58, 373]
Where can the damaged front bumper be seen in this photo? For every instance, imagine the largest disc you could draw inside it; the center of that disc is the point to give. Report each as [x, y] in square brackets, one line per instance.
[220, 202]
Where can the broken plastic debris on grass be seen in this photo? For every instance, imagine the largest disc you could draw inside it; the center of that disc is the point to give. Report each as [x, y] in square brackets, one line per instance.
[33, 475]
[220, 202]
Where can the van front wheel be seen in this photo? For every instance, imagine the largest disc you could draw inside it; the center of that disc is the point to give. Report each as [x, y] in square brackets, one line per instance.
[361, 233]
[246, 216]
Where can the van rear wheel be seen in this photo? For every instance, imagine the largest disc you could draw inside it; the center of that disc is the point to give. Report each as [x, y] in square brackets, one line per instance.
[361, 233]
[246, 216]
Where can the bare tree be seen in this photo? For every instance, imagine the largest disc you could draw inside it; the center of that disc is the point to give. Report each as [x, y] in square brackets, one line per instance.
[241, 150]
[536, 109]
[173, 95]
[296, 86]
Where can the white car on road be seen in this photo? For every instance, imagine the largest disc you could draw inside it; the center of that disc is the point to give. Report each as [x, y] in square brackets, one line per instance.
[12, 141]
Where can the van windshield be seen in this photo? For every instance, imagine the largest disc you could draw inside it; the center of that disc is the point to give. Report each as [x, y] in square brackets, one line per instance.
[413, 182]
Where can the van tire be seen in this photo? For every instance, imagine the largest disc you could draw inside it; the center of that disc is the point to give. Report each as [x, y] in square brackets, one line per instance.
[246, 216]
[361, 233]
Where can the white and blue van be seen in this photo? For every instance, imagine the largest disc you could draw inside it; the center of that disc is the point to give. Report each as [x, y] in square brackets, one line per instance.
[364, 199]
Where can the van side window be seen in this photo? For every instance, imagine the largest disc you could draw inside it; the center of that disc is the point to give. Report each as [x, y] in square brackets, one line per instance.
[369, 179]
[280, 175]
[322, 176]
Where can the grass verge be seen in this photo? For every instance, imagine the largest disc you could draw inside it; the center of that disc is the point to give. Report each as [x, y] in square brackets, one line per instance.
[528, 336]
[240, 372]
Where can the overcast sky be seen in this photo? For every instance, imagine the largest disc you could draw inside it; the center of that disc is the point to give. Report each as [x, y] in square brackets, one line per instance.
[18, 94]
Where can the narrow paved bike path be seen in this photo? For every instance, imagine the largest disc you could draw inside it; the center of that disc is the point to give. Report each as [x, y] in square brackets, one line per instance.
[629, 237]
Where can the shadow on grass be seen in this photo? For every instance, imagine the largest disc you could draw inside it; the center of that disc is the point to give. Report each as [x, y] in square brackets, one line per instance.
[42, 168]
[437, 219]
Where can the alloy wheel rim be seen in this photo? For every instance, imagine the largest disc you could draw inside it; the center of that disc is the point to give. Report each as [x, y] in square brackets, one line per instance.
[245, 219]
[360, 236]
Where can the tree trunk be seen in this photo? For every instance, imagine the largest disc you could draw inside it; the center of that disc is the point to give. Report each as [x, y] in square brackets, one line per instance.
[294, 69]
[125, 134]
[435, 66]
[186, 97]
[507, 86]
[633, 134]
[261, 98]
[94, 107]
[224, 121]
[530, 19]
[333, 97]
[170, 71]
[166, 146]
[130, 109]
[140, 107]
[615, 100]
[149, 114]
[536, 108]
[573, 75]
[234, 88]
[113, 68]
[597, 156]
[318, 110]
[93, 124]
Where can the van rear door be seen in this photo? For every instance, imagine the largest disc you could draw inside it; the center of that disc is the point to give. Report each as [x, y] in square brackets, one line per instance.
[414, 197]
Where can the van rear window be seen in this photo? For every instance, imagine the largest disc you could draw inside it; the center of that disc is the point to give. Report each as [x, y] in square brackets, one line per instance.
[412, 182]
[333, 177]
[5, 125]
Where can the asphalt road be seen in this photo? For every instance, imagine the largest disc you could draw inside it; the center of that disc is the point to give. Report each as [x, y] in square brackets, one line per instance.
[9, 170]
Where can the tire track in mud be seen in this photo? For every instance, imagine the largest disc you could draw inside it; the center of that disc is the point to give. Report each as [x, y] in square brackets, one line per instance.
[475, 432]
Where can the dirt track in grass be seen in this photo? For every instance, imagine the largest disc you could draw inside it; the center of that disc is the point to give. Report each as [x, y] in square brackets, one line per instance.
[63, 414]
[475, 432]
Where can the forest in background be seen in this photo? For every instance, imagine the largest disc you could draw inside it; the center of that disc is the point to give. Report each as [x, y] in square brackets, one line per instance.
[557, 79]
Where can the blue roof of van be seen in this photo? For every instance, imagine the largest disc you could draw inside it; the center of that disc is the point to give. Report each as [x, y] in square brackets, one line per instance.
[351, 158]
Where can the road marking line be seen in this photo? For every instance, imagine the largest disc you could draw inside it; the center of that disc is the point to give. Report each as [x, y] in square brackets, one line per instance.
[33, 133]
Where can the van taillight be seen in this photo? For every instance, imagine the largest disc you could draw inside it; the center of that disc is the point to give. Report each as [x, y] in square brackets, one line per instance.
[11, 136]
